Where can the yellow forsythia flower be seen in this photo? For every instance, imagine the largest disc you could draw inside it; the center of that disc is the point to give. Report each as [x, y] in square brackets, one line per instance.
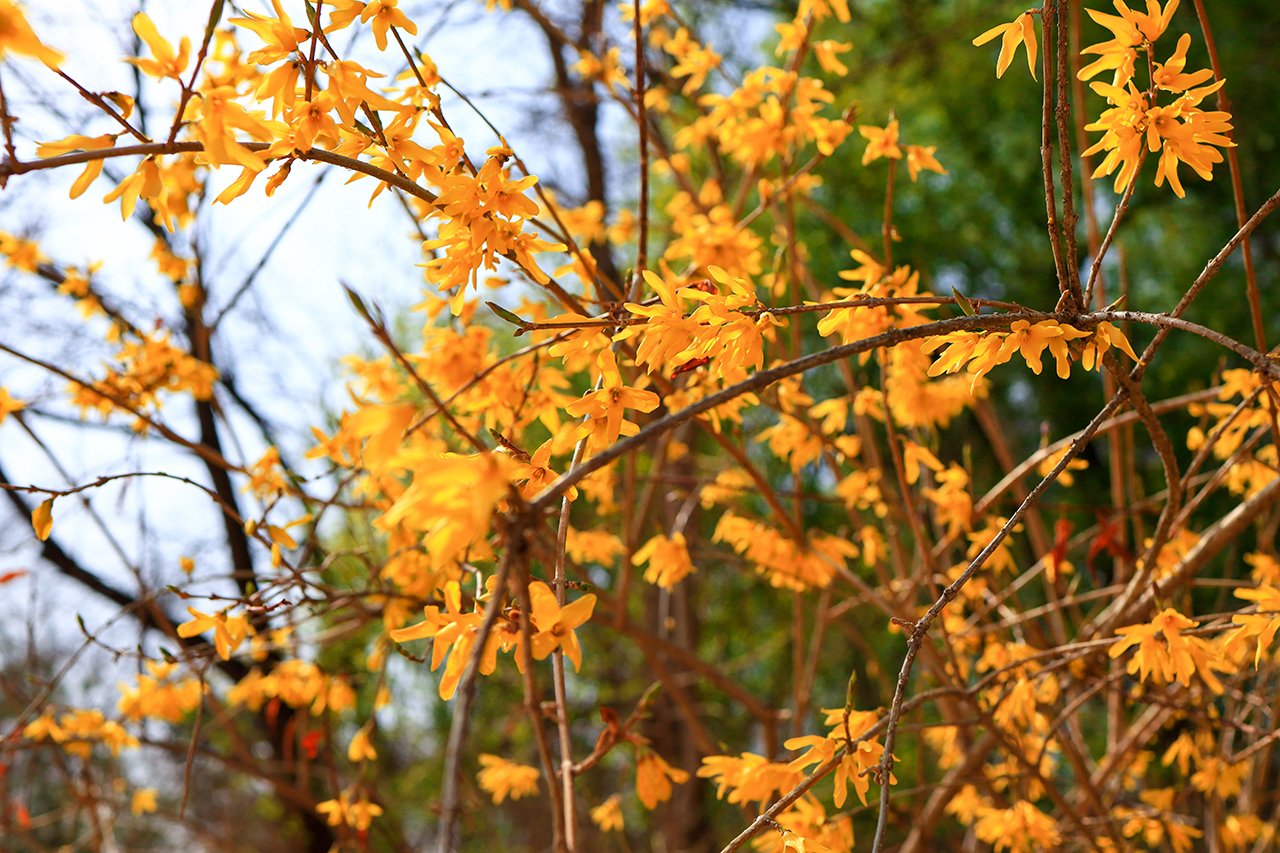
[144, 800]
[1020, 29]
[654, 777]
[608, 815]
[504, 778]
[16, 36]
[42, 519]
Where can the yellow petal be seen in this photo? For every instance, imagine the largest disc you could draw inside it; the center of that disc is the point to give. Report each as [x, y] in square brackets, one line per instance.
[1029, 39]
[42, 519]
[990, 34]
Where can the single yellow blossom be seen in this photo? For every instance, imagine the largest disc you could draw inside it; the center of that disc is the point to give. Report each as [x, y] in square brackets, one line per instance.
[166, 62]
[883, 142]
[144, 800]
[8, 404]
[360, 748]
[17, 36]
[228, 631]
[608, 815]
[1020, 29]
[42, 519]
[556, 624]
[503, 778]
[654, 777]
[605, 407]
[921, 157]
[385, 15]
[668, 560]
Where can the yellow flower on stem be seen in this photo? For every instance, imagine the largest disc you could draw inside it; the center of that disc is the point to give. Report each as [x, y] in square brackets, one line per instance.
[668, 330]
[883, 142]
[668, 560]
[556, 624]
[826, 51]
[1021, 29]
[921, 157]
[279, 33]
[1131, 29]
[693, 60]
[1170, 75]
[1058, 346]
[608, 815]
[361, 813]
[228, 631]
[504, 778]
[8, 404]
[1163, 649]
[451, 630]
[606, 406]
[166, 62]
[1104, 337]
[1264, 627]
[345, 11]
[219, 118]
[360, 748]
[654, 777]
[1029, 341]
[538, 474]
[869, 271]
[912, 456]
[358, 815]
[145, 183]
[23, 254]
[334, 811]
[385, 15]
[17, 36]
[144, 800]
[1184, 130]
[42, 519]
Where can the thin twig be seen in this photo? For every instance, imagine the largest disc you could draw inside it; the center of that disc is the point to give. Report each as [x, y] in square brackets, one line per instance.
[920, 629]
[466, 691]
[1063, 108]
[1046, 146]
[642, 241]
[557, 674]
[1237, 185]
[191, 752]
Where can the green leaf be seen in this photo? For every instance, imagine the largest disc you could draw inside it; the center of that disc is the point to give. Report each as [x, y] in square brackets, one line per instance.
[215, 17]
[358, 303]
[965, 305]
[508, 316]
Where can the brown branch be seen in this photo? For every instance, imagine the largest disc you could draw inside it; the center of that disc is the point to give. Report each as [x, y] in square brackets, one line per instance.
[1046, 146]
[763, 379]
[102, 104]
[1063, 109]
[1237, 185]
